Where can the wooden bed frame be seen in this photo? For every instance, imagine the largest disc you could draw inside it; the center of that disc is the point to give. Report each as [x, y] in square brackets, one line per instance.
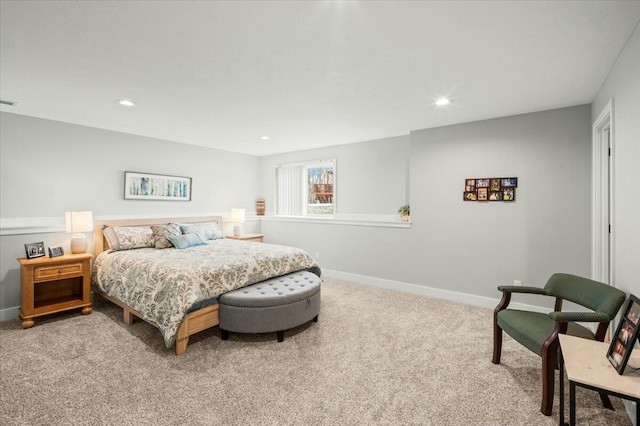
[195, 321]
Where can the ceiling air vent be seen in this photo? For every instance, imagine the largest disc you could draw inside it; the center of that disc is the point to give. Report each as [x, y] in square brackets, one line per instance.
[10, 103]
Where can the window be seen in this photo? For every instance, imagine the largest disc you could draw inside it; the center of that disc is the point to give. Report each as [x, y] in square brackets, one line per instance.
[306, 189]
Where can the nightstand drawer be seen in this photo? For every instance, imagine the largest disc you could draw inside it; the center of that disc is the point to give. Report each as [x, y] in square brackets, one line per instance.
[47, 273]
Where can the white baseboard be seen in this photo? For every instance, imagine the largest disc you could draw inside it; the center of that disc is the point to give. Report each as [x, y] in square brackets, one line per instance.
[9, 313]
[454, 296]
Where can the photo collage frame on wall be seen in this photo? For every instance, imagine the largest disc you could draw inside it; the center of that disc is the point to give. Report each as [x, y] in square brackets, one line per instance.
[490, 189]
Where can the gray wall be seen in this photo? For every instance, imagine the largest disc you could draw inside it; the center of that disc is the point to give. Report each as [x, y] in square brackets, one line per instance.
[371, 177]
[465, 246]
[473, 246]
[49, 167]
[452, 245]
[623, 86]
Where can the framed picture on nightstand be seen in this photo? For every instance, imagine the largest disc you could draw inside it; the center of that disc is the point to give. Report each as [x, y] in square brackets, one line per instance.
[34, 250]
[55, 251]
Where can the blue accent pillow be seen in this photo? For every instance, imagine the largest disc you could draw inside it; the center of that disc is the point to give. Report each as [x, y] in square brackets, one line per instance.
[208, 230]
[184, 241]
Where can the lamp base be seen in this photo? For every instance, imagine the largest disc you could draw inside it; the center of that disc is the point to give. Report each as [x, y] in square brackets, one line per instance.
[78, 243]
[237, 230]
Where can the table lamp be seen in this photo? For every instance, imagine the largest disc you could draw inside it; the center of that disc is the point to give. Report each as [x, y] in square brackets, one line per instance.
[237, 218]
[77, 224]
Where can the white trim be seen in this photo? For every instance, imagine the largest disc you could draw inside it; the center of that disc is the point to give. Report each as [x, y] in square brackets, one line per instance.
[602, 193]
[46, 225]
[384, 221]
[9, 313]
[31, 225]
[454, 296]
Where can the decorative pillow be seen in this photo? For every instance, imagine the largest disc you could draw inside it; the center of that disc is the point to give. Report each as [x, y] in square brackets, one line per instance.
[208, 230]
[128, 237]
[162, 232]
[183, 241]
[110, 236]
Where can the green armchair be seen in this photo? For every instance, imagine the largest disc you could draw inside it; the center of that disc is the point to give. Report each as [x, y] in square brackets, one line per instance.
[538, 332]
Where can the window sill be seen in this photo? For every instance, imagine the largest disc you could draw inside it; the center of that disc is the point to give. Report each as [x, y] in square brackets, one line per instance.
[372, 220]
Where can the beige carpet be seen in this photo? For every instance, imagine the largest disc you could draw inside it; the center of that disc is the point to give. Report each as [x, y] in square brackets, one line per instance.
[376, 357]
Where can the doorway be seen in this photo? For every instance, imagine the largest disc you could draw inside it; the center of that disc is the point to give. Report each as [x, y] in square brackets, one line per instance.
[602, 195]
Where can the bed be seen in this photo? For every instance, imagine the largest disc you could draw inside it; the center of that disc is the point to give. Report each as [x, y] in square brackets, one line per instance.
[174, 289]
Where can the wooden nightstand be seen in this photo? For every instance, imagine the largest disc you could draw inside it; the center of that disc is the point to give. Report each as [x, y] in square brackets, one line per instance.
[49, 285]
[247, 237]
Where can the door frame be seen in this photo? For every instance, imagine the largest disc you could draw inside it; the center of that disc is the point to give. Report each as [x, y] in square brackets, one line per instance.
[603, 180]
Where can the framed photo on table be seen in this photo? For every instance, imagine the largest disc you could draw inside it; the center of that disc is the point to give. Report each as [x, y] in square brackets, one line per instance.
[34, 250]
[626, 335]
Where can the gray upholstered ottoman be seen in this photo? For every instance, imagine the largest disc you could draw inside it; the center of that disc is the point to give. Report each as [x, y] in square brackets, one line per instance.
[276, 305]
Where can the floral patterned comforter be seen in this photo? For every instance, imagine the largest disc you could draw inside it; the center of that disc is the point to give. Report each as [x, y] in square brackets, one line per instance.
[162, 285]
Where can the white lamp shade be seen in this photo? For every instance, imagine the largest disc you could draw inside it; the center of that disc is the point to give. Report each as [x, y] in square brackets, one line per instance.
[78, 222]
[237, 215]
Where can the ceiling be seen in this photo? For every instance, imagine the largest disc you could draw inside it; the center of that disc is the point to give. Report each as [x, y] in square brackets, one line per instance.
[305, 74]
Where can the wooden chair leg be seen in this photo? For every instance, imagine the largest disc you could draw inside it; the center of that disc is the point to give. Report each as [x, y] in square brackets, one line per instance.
[497, 331]
[497, 343]
[548, 380]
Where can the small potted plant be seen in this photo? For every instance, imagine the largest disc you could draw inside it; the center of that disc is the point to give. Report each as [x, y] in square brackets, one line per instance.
[404, 213]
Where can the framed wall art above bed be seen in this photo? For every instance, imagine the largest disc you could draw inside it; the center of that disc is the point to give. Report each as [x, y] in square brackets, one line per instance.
[150, 186]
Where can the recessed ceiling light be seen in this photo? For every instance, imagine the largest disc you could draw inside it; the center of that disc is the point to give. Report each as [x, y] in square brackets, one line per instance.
[265, 138]
[126, 102]
[442, 102]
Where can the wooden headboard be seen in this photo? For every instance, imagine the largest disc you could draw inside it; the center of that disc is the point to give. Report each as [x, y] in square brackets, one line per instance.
[100, 243]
